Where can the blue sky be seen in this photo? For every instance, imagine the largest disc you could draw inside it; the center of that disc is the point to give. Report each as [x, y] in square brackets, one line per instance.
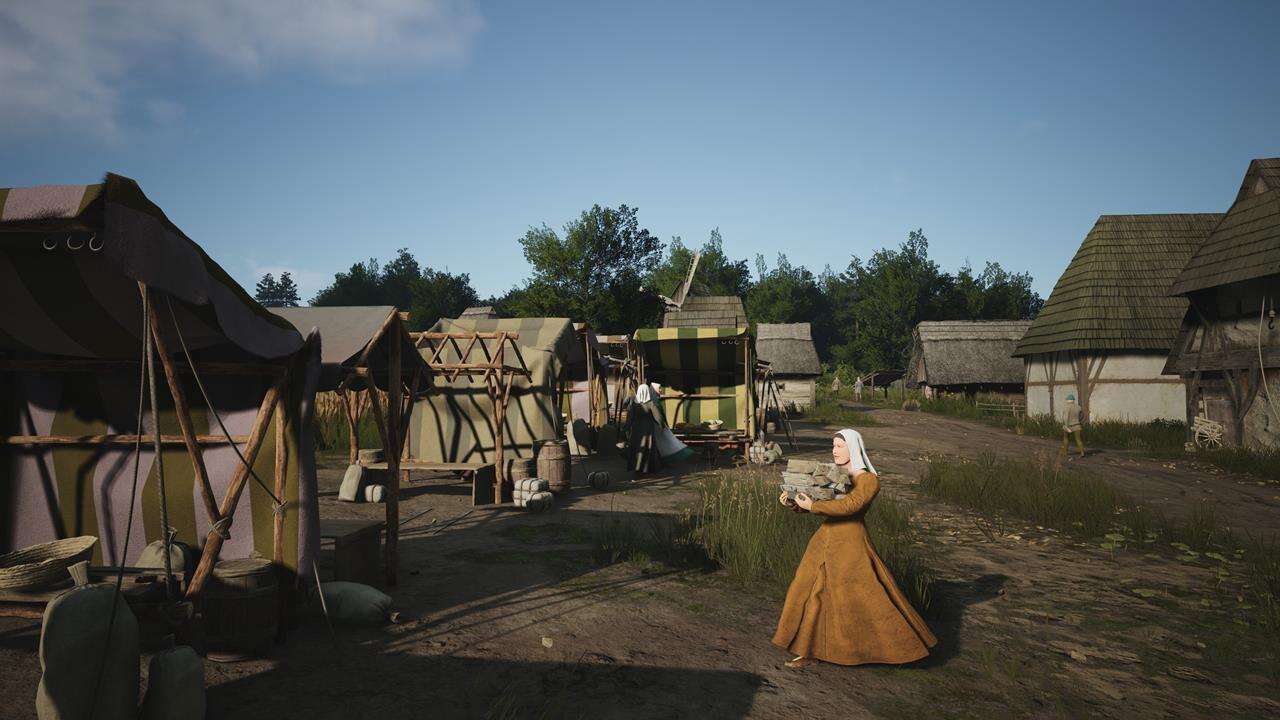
[311, 138]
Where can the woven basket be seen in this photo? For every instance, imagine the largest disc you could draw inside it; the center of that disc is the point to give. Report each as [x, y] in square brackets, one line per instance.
[44, 564]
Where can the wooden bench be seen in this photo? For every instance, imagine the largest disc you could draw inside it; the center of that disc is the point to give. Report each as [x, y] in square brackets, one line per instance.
[482, 476]
[357, 552]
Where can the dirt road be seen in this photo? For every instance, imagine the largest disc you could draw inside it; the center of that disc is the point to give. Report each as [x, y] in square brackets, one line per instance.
[507, 615]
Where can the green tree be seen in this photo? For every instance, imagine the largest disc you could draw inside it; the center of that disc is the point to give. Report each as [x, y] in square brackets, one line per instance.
[789, 294]
[265, 291]
[717, 274]
[592, 273]
[426, 293]
[286, 291]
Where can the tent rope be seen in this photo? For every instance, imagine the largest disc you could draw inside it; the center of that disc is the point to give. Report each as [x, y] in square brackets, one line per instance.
[169, 531]
[128, 528]
[276, 505]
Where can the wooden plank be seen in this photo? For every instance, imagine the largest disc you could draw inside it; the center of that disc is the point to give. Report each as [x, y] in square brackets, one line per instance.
[418, 465]
[395, 389]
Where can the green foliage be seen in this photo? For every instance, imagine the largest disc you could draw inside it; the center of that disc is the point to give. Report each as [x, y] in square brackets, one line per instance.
[716, 275]
[788, 294]
[593, 273]
[426, 293]
[276, 293]
[875, 305]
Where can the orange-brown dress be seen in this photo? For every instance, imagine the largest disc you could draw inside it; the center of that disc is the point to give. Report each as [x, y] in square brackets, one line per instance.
[843, 605]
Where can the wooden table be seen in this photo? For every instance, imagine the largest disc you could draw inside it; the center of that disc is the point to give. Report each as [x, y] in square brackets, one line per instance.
[357, 548]
[481, 475]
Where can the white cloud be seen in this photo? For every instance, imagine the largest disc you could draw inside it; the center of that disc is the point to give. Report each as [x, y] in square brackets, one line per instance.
[69, 62]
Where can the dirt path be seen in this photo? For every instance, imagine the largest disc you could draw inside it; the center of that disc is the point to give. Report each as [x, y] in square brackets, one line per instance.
[1172, 486]
[506, 610]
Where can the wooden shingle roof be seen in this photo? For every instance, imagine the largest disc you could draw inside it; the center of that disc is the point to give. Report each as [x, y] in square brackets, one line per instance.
[1114, 294]
[1246, 244]
[712, 311]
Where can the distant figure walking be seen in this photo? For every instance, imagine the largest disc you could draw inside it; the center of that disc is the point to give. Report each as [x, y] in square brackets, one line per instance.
[1073, 425]
[835, 385]
[857, 389]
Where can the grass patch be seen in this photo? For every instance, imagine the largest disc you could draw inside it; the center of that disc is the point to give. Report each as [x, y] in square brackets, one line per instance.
[1085, 505]
[333, 433]
[739, 526]
[1263, 463]
[828, 411]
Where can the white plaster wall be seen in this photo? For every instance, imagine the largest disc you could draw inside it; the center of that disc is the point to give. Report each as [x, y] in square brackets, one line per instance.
[1132, 402]
[798, 392]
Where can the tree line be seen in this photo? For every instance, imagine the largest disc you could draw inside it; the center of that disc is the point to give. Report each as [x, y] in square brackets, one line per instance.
[605, 269]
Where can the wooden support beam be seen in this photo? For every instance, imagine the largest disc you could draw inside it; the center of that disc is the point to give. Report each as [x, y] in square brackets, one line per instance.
[182, 410]
[281, 469]
[213, 542]
[392, 452]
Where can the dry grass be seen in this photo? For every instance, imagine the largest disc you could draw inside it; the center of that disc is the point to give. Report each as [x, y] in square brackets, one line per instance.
[332, 433]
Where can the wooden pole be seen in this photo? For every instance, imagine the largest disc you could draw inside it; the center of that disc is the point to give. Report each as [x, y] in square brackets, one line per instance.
[182, 410]
[213, 543]
[351, 414]
[499, 472]
[395, 384]
[281, 467]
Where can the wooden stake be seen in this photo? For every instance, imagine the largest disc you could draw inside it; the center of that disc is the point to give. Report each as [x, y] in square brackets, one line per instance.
[395, 384]
[213, 543]
[282, 458]
[183, 411]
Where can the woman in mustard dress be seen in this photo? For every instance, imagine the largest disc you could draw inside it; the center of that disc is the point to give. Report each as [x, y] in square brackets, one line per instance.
[843, 606]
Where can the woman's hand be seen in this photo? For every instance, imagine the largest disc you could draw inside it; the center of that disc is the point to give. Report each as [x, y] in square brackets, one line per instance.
[804, 502]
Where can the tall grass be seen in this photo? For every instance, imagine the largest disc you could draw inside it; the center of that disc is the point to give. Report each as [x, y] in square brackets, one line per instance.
[828, 411]
[1085, 505]
[739, 526]
[332, 433]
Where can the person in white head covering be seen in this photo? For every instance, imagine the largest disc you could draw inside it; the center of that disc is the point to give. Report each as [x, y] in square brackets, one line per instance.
[843, 606]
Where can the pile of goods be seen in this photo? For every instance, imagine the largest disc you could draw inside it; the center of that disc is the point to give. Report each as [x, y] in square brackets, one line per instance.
[364, 484]
[764, 453]
[818, 480]
[532, 494]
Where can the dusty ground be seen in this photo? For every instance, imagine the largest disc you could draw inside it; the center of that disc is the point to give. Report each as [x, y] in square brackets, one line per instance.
[507, 610]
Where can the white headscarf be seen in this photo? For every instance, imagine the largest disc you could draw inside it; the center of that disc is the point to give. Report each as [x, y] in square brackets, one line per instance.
[858, 459]
[644, 394]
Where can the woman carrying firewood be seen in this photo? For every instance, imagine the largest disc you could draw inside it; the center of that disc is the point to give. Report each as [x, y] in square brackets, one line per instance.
[843, 606]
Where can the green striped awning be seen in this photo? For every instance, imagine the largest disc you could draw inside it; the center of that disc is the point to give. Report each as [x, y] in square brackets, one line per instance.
[687, 333]
[707, 370]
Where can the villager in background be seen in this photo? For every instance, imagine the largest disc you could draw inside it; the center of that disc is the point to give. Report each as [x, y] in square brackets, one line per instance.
[843, 606]
[1072, 425]
[644, 421]
[857, 389]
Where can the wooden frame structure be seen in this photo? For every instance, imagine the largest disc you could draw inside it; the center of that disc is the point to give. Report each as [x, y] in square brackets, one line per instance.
[768, 396]
[477, 359]
[402, 381]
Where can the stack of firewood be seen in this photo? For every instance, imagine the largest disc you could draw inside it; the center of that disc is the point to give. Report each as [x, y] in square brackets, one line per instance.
[818, 480]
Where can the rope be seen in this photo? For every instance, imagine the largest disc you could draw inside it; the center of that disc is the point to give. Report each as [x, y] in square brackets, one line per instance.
[149, 344]
[276, 502]
[128, 531]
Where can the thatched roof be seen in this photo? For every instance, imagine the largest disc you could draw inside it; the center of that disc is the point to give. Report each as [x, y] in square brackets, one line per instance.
[1114, 294]
[1246, 244]
[483, 311]
[788, 348]
[716, 311]
[964, 352]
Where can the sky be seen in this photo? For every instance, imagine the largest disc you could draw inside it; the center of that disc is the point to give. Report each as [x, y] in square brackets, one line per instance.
[309, 136]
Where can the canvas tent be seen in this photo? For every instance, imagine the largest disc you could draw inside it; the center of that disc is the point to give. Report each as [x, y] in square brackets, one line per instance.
[1105, 331]
[361, 346]
[967, 356]
[793, 358]
[450, 423]
[1228, 346]
[76, 262]
[707, 374]
[715, 311]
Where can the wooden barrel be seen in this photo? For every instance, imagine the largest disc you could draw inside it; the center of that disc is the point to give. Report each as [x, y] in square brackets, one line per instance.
[240, 609]
[522, 468]
[553, 465]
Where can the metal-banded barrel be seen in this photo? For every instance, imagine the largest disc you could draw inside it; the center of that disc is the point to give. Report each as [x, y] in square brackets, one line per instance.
[554, 465]
[240, 609]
